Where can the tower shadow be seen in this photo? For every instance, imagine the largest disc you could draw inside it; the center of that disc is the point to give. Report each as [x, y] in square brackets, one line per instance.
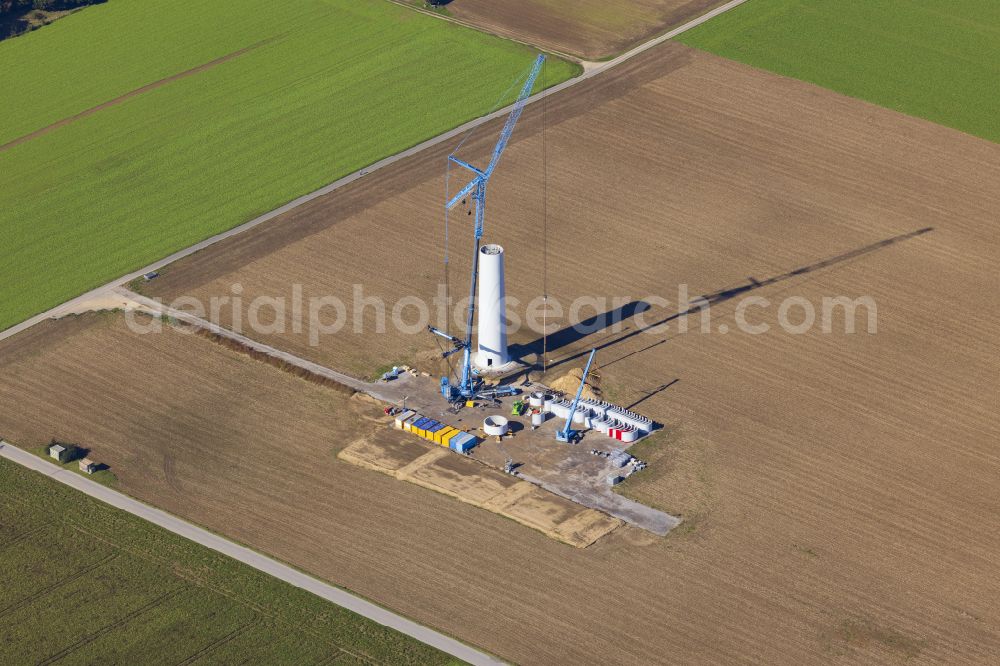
[729, 293]
[573, 333]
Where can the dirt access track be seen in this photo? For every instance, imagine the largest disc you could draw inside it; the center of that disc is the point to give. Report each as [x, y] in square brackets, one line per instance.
[588, 29]
[838, 491]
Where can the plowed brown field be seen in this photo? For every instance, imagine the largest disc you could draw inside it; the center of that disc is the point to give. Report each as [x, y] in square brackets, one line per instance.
[591, 29]
[839, 491]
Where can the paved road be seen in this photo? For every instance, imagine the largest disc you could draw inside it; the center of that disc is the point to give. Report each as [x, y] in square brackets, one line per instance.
[247, 556]
[591, 71]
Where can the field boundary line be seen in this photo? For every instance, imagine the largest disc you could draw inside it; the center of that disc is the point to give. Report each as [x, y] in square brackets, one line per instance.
[350, 178]
[249, 557]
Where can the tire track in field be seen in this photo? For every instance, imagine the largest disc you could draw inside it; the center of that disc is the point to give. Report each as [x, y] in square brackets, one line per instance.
[120, 622]
[211, 647]
[135, 93]
[54, 586]
[21, 536]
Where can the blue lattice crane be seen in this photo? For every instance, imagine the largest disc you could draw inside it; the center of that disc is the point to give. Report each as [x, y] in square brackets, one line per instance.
[567, 434]
[470, 385]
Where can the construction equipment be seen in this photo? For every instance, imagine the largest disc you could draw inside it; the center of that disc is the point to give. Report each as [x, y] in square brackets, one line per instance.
[567, 434]
[470, 385]
[517, 409]
[509, 465]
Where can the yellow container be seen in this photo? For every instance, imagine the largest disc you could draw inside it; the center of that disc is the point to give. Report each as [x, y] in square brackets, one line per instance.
[421, 431]
[428, 432]
[444, 435]
[447, 440]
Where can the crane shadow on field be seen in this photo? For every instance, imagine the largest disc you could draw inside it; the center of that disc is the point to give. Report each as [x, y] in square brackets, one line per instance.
[568, 335]
[646, 395]
[700, 303]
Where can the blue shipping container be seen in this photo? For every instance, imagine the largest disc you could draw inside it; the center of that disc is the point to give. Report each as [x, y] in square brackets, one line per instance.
[463, 442]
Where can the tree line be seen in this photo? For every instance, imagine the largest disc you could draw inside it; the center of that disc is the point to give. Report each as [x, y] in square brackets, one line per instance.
[14, 13]
[16, 8]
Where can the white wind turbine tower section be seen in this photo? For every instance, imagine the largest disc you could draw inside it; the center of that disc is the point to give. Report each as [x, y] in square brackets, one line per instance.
[492, 333]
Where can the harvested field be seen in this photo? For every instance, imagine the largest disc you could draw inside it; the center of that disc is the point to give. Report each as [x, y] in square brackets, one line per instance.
[590, 29]
[838, 491]
[404, 457]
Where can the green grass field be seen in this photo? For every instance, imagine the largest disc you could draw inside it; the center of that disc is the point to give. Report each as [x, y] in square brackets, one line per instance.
[935, 59]
[328, 87]
[87, 583]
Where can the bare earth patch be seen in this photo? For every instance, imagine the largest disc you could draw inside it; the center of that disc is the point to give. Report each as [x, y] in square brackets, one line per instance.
[590, 29]
[404, 457]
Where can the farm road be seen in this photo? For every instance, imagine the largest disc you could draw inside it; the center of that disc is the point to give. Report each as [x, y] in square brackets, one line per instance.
[247, 556]
[590, 70]
[387, 393]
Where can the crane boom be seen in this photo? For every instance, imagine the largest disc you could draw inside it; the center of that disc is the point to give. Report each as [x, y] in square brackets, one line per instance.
[515, 115]
[483, 176]
[567, 434]
[477, 188]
